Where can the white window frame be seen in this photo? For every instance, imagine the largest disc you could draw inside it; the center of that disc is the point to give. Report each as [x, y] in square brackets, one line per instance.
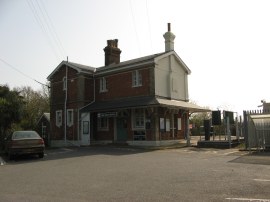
[103, 126]
[65, 83]
[103, 85]
[59, 119]
[179, 125]
[136, 78]
[70, 117]
[138, 120]
[168, 125]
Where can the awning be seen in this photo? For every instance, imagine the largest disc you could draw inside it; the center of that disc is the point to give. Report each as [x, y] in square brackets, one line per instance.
[146, 101]
[183, 105]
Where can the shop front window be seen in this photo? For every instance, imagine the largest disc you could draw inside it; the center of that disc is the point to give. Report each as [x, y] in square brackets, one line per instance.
[138, 118]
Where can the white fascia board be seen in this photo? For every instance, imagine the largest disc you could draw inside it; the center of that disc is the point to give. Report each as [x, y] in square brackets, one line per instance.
[71, 66]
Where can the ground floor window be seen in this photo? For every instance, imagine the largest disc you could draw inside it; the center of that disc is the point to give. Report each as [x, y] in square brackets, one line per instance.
[139, 135]
[58, 118]
[138, 119]
[70, 117]
[103, 123]
[179, 124]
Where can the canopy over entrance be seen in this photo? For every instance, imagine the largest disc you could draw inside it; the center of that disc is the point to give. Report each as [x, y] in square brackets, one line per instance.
[146, 101]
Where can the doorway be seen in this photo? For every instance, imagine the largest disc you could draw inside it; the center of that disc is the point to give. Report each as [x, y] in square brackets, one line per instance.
[122, 132]
[85, 129]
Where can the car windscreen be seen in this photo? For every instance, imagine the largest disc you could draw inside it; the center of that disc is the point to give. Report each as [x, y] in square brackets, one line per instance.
[25, 135]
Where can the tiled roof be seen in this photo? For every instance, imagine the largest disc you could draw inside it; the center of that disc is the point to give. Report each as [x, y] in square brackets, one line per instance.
[121, 103]
[144, 101]
[134, 63]
[131, 62]
[82, 67]
[79, 67]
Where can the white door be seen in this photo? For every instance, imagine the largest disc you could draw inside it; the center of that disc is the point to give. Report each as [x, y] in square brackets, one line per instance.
[85, 129]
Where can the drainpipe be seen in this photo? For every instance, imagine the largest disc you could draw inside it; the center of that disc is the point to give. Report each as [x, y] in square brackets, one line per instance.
[79, 110]
[188, 136]
[65, 107]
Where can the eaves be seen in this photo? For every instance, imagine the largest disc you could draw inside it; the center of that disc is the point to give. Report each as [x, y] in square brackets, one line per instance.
[119, 69]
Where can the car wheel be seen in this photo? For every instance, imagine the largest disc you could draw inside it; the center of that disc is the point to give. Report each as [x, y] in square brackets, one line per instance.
[41, 155]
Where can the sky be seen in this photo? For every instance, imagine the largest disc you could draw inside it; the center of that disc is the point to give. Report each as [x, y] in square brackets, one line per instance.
[225, 43]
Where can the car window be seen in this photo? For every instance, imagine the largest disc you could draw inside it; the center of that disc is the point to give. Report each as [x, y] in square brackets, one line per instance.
[24, 134]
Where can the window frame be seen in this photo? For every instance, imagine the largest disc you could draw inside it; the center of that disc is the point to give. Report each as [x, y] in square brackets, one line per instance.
[70, 119]
[135, 118]
[102, 127]
[59, 118]
[103, 84]
[136, 78]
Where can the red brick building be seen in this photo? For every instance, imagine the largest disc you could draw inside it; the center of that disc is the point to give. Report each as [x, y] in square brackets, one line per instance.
[143, 101]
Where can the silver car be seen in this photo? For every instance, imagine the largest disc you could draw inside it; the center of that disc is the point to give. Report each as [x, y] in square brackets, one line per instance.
[24, 142]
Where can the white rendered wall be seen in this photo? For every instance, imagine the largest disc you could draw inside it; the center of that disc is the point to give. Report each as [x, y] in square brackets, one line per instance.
[171, 79]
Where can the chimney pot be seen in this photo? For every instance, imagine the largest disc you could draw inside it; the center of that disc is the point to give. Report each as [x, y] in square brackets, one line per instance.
[169, 39]
[112, 52]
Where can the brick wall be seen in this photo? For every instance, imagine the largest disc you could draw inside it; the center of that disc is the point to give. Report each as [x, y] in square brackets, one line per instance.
[120, 85]
[80, 93]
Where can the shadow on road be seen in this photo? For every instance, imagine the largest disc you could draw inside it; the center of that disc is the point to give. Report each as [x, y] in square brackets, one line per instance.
[261, 158]
[72, 152]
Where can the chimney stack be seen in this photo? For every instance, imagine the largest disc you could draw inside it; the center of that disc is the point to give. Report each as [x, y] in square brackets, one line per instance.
[169, 39]
[112, 52]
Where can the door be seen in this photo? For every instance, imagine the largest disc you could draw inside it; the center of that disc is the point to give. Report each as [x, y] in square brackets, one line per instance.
[122, 133]
[85, 129]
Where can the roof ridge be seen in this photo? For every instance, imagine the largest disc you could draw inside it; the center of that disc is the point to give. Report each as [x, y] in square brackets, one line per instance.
[133, 61]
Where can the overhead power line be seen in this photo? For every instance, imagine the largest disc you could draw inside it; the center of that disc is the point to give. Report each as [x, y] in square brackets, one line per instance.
[45, 23]
[134, 24]
[149, 27]
[51, 27]
[17, 70]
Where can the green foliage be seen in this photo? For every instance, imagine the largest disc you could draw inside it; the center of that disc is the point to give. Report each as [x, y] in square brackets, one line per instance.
[11, 104]
[196, 120]
[21, 108]
[36, 103]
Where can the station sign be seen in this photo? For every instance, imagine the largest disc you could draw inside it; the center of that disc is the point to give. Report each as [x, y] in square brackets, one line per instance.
[107, 114]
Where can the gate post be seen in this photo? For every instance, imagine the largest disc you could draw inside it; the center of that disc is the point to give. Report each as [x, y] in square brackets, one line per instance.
[246, 129]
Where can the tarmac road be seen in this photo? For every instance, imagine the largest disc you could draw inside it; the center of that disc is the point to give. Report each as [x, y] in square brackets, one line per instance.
[132, 174]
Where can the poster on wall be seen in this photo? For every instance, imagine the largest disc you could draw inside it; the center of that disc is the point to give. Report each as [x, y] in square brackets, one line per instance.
[179, 125]
[85, 127]
[161, 124]
[167, 125]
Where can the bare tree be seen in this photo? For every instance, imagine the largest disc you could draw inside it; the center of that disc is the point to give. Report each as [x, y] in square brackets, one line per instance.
[36, 103]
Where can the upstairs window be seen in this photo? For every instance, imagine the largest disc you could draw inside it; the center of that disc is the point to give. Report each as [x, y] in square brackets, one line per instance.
[70, 117]
[103, 85]
[136, 78]
[65, 83]
[58, 118]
